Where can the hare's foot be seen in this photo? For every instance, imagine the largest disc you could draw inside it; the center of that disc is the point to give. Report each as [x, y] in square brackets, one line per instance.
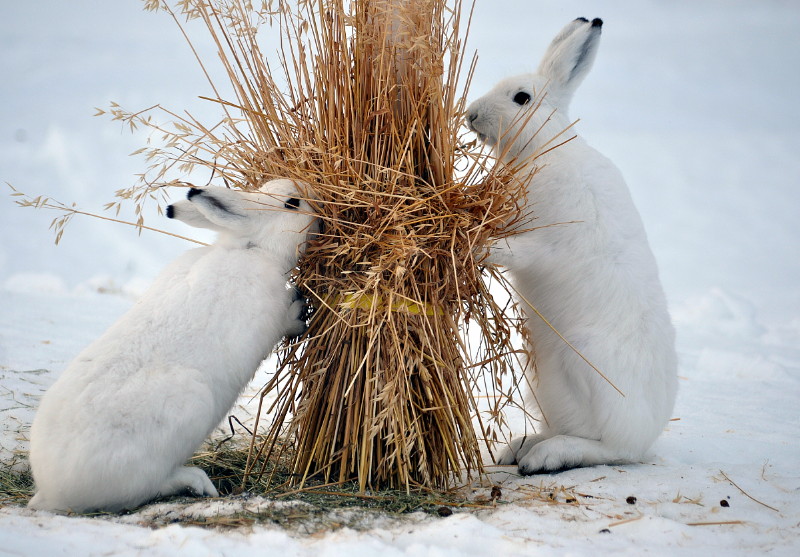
[296, 318]
[518, 448]
[563, 452]
[38, 502]
[500, 254]
[189, 479]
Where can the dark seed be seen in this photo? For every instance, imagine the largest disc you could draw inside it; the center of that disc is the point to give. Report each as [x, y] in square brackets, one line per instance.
[444, 511]
[496, 492]
[724, 503]
[631, 500]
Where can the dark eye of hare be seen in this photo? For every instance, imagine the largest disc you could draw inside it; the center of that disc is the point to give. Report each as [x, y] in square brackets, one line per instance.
[292, 203]
[522, 98]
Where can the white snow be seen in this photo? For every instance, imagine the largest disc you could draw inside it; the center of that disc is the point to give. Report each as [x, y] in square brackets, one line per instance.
[695, 101]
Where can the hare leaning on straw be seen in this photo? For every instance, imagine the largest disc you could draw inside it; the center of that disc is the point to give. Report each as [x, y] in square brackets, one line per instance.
[116, 428]
[595, 280]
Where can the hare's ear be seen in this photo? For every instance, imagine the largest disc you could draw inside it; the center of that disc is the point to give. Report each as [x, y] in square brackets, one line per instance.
[222, 207]
[186, 211]
[570, 56]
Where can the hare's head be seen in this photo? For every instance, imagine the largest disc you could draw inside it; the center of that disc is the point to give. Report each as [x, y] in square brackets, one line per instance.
[277, 217]
[521, 115]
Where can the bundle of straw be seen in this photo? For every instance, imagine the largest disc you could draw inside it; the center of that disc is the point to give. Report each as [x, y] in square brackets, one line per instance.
[382, 390]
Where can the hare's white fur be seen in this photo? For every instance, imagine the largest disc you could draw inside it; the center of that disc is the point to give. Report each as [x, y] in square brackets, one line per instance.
[115, 429]
[593, 277]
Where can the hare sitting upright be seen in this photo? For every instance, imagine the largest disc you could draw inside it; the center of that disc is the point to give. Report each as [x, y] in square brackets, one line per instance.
[593, 277]
[115, 429]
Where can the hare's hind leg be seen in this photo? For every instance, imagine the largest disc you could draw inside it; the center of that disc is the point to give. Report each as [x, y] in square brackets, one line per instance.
[188, 479]
[562, 452]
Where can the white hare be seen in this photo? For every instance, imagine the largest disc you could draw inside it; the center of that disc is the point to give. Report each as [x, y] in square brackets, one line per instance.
[115, 429]
[595, 278]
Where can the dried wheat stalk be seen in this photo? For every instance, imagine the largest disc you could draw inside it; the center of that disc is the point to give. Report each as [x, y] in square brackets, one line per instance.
[365, 107]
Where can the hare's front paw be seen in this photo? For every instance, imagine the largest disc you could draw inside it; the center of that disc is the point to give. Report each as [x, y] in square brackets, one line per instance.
[297, 316]
[499, 254]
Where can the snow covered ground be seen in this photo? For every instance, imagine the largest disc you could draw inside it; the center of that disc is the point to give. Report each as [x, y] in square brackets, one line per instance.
[695, 101]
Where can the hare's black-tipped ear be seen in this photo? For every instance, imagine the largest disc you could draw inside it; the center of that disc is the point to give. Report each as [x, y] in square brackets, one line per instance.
[568, 29]
[186, 211]
[571, 54]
